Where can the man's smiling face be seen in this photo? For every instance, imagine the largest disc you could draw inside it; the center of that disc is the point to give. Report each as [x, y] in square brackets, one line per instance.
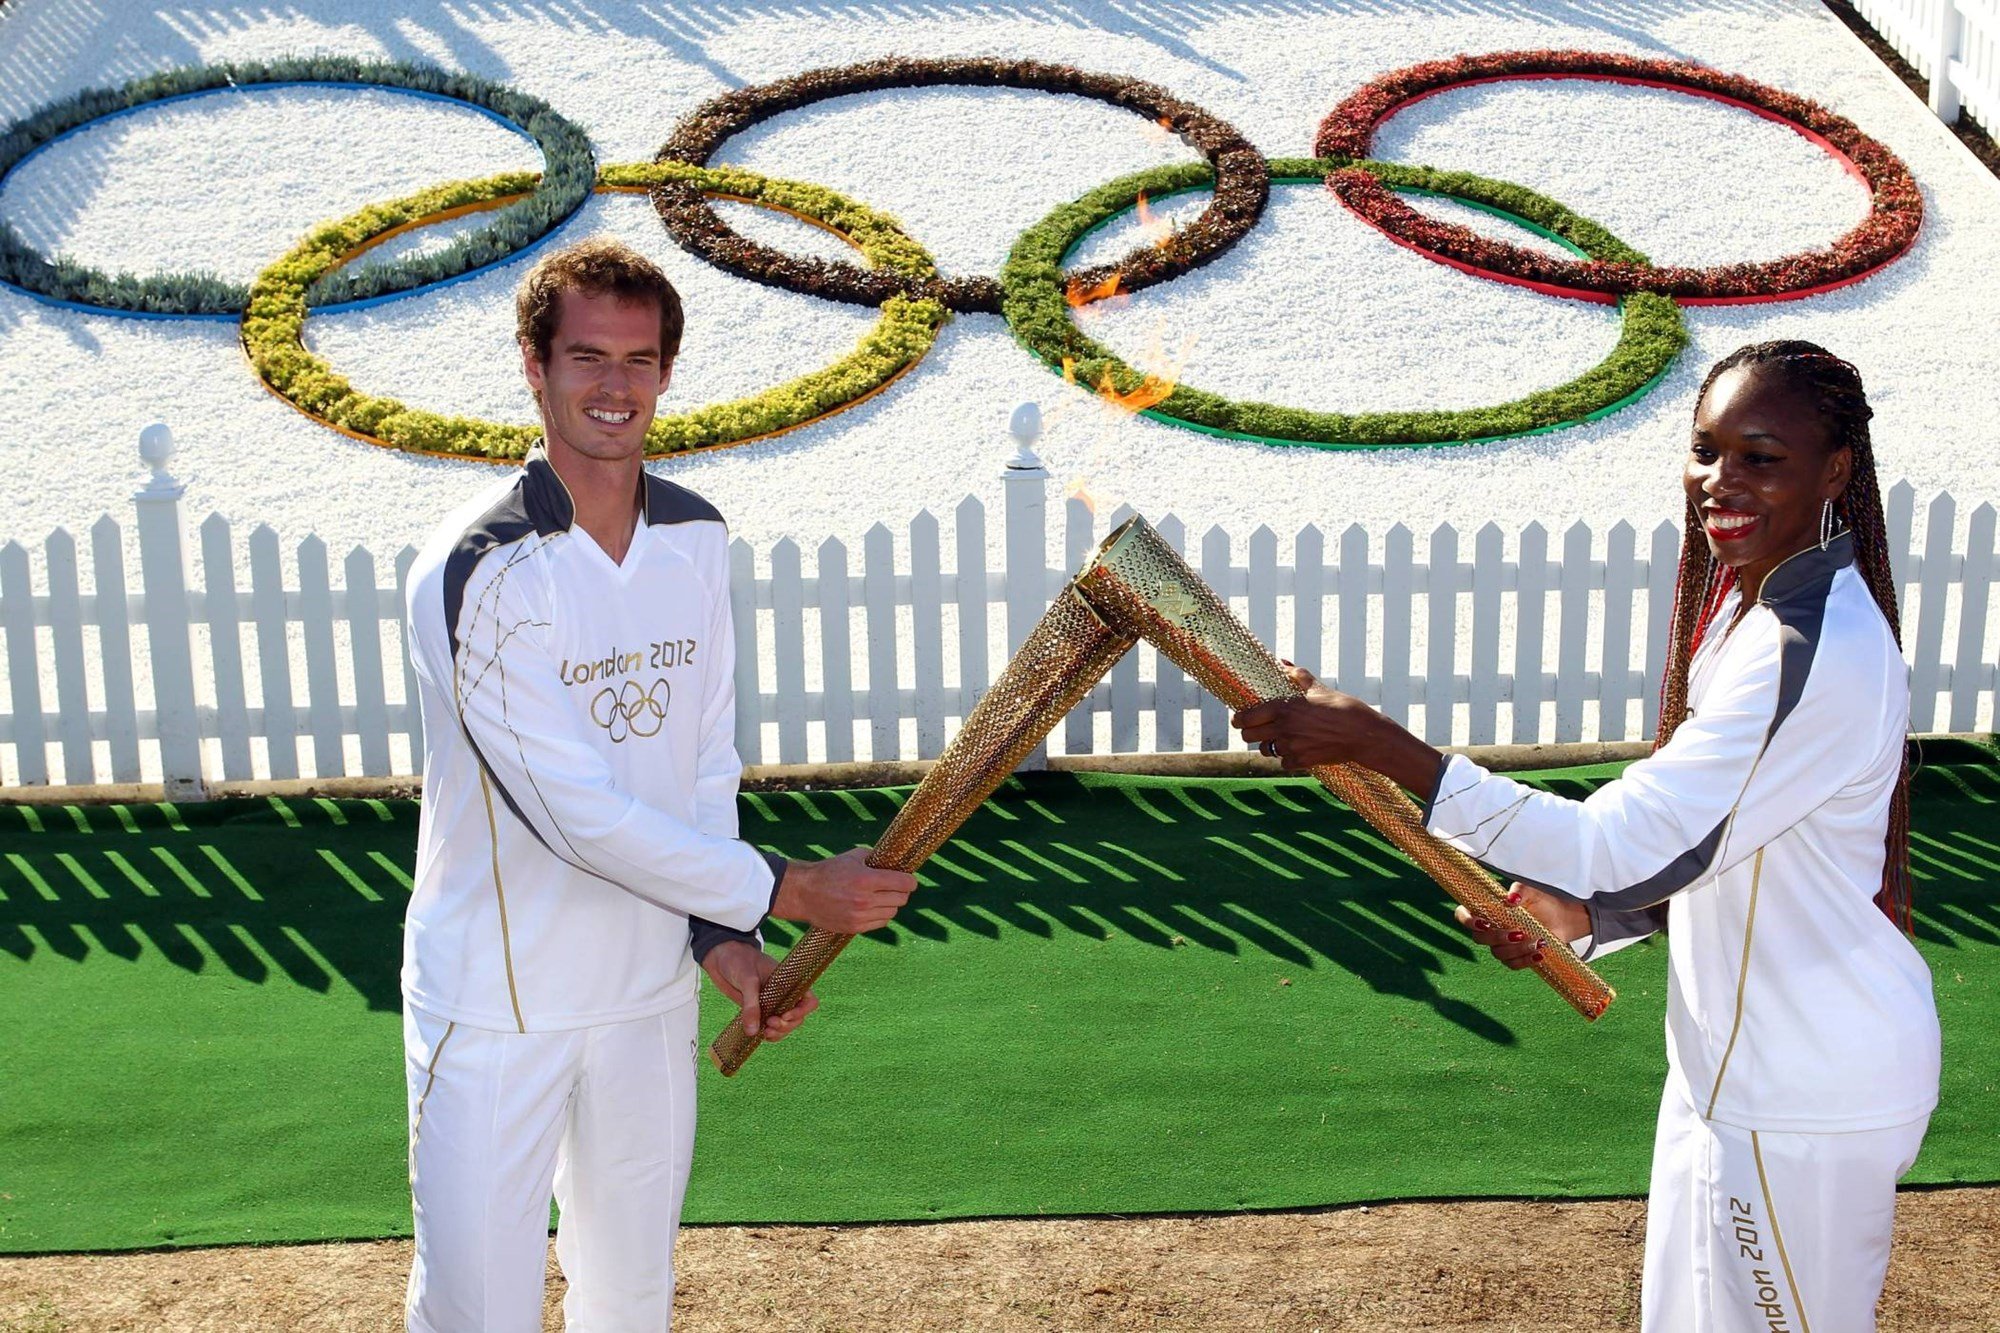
[603, 377]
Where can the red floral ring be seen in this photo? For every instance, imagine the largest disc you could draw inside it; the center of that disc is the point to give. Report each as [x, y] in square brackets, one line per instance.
[1896, 208]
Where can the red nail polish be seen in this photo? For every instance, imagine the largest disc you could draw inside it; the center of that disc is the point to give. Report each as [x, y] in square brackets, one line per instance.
[1516, 936]
[1481, 923]
[1514, 897]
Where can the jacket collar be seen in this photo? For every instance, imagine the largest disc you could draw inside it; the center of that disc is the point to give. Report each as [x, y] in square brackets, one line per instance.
[547, 499]
[1812, 568]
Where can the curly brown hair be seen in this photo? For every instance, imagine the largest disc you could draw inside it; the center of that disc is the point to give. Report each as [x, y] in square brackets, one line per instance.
[594, 267]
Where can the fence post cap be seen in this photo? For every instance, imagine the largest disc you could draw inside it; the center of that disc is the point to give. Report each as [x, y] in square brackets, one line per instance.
[1025, 425]
[156, 446]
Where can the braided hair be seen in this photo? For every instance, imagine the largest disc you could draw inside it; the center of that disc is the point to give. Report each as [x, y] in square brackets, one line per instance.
[1834, 387]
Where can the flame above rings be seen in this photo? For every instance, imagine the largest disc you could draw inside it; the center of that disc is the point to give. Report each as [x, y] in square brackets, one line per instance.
[1040, 307]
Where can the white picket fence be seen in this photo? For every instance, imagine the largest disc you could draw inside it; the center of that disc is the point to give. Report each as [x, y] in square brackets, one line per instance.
[1953, 43]
[1523, 637]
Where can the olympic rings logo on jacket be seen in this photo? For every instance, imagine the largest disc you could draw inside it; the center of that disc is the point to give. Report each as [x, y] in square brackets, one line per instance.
[626, 710]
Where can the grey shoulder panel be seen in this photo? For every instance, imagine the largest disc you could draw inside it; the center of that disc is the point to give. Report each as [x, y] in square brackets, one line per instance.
[537, 503]
[1795, 593]
[502, 525]
[1611, 925]
[669, 503]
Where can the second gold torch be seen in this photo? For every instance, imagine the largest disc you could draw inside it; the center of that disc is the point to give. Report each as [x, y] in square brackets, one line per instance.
[1137, 581]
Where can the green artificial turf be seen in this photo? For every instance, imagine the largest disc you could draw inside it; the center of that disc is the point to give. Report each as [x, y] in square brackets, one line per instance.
[1113, 995]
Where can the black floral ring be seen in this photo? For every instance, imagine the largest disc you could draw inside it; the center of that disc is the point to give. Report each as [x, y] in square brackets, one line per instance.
[1242, 180]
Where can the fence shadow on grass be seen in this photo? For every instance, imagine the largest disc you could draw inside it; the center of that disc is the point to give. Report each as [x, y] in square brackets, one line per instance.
[1243, 868]
[313, 892]
[1282, 870]
[269, 891]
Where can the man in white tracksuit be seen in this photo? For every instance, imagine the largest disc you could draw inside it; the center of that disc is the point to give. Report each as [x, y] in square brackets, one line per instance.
[1766, 835]
[578, 856]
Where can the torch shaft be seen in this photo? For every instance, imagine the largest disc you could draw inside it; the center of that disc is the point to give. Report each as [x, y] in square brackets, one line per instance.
[1138, 586]
[1385, 805]
[1067, 653]
[796, 972]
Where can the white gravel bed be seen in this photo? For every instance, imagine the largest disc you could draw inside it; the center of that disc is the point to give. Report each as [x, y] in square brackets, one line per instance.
[1317, 309]
[1312, 308]
[224, 182]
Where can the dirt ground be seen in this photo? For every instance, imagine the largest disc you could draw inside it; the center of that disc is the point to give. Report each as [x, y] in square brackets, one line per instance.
[1468, 1267]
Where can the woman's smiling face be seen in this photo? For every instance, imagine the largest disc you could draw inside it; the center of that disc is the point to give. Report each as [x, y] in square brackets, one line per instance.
[1760, 468]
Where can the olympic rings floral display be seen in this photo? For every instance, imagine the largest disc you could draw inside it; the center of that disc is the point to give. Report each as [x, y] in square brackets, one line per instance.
[1034, 291]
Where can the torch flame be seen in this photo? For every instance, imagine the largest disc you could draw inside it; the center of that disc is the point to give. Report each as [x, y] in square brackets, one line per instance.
[1157, 231]
[1079, 489]
[1160, 375]
[1079, 296]
[1152, 391]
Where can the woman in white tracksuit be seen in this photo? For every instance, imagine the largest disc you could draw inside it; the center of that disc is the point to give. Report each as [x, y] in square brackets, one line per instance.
[1767, 834]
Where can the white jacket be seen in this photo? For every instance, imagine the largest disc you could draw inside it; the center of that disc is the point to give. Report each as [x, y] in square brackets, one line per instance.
[1794, 1003]
[580, 766]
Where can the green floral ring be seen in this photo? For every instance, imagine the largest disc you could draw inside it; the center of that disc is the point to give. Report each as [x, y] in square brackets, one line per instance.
[1037, 304]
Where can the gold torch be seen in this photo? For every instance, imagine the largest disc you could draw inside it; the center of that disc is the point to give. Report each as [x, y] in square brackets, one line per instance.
[1068, 652]
[1136, 581]
[1136, 586]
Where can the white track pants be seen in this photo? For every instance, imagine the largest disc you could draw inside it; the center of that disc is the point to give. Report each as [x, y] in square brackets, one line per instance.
[1760, 1232]
[601, 1117]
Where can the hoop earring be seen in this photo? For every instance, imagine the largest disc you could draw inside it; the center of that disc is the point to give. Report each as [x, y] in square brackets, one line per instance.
[1825, 524]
